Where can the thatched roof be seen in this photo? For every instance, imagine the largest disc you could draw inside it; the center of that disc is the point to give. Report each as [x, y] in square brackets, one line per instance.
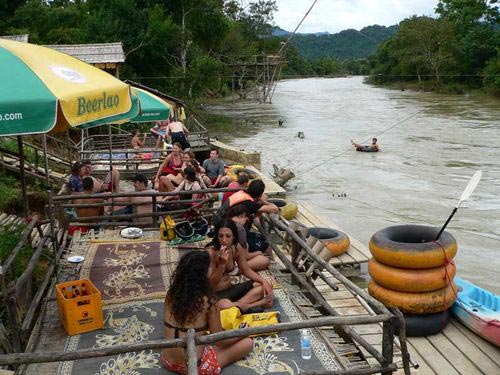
[18, 38]
[93, 53]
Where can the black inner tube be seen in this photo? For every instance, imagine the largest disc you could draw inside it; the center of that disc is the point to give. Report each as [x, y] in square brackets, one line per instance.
[323, 233]
[412, 233]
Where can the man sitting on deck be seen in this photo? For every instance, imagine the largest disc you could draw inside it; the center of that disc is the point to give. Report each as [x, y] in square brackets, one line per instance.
[111, 181]
[214, 168]
[75, 180]
[82, 212]
[136, 139]
[142, 204]
[366, 148]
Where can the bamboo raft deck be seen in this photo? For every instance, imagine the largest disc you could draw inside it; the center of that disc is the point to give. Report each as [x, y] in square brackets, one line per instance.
[456, 350]
[52, 337]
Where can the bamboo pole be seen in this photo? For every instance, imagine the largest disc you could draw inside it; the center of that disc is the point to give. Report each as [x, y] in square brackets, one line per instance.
[376, 305]
[319, 298]
[20, 244]
[191, 359]
[19, 358]
[20, 149]
[104, 204]
[145, 194]
[364, 371]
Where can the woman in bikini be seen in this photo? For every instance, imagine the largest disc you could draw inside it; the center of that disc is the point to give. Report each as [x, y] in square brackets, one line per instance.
[190, 183]
[190, 303]
[255, 293]
[170, 166]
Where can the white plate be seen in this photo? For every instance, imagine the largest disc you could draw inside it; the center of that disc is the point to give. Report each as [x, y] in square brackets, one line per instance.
[76, 259]
[131, 232]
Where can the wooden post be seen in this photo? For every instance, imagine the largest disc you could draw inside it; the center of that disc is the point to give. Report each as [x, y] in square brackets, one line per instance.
[295, 255]
[155, 217]
[20, 148]
[388, 344]
[191, 359]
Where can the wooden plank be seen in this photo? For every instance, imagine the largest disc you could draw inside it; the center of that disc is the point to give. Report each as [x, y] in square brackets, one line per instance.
[352, 311]
[434, 359]
[348, 302]
[469, 349]
[488, 349]
[423, 367]
[448, 349]
[367, 328]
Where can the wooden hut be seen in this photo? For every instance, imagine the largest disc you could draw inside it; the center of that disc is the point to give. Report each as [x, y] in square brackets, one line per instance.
[105, 56]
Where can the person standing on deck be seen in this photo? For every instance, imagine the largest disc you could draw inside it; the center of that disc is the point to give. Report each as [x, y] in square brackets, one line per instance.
[214, 168]
[178, 132]
[160, 130]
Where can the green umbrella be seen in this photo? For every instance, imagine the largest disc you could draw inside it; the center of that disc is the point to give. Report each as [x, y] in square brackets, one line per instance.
[153, 108]
[43, 90]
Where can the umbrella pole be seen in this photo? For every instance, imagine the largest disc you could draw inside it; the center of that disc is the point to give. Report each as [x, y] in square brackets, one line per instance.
[68, 144]
[51, 208]
[111, 167]
[20, 148]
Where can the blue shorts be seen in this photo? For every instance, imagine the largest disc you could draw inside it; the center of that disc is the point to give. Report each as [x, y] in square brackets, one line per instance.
[256, 242]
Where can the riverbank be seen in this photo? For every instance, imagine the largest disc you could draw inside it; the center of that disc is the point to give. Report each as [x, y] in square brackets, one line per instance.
[431, 87]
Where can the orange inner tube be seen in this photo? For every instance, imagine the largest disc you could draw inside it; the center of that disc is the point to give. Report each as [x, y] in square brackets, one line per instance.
[412, 246]
[415, 303]
[337, 246]
[407, 280]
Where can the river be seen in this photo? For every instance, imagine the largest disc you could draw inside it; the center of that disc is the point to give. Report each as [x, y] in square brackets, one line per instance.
[430, 146]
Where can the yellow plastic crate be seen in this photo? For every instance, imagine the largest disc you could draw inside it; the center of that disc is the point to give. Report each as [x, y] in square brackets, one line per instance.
[80, 306]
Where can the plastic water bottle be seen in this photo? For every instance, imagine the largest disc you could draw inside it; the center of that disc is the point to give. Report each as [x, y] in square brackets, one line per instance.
[305, 343]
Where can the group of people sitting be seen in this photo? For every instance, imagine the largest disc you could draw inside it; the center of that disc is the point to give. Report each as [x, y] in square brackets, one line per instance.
[201, 285]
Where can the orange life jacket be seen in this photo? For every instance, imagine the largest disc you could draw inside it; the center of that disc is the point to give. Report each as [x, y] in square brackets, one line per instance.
[238, 197]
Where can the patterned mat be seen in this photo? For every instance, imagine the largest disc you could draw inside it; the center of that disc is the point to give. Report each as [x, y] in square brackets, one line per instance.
[139, 321]
[130, 271]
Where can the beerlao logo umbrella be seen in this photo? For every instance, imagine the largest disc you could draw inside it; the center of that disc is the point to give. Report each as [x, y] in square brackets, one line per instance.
[43, 90]
[153, 108]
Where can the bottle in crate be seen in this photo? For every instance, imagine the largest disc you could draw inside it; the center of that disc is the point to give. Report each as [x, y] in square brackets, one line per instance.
[80, 306]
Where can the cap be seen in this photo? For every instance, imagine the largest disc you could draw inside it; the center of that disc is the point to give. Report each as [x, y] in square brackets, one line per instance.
[141, 178]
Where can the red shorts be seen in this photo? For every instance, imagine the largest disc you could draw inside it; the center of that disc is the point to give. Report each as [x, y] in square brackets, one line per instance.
[207, 364]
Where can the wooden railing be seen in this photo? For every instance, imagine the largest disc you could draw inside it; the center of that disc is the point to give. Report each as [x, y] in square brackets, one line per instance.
[21, 305]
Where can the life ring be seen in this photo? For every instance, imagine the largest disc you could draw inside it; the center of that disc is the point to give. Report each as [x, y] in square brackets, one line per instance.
[415, 303]
[412, 246]
[335, 241]
[420, 325]
[235, 169]
[406, 280]
[288, 210]
[367, 149]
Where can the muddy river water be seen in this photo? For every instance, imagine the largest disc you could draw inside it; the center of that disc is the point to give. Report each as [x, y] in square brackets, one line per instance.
[430, 147]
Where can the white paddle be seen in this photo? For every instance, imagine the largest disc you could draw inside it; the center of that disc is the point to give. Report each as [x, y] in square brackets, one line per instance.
[471, 186]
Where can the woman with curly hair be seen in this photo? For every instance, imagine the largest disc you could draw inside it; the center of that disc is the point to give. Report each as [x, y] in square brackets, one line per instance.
[190, 303]
[257, 292]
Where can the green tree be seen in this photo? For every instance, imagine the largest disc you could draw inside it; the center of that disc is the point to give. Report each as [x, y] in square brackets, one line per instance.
[476, 22]
[425, 44]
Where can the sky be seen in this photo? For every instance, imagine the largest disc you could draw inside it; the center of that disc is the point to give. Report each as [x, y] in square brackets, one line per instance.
[337, 15]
